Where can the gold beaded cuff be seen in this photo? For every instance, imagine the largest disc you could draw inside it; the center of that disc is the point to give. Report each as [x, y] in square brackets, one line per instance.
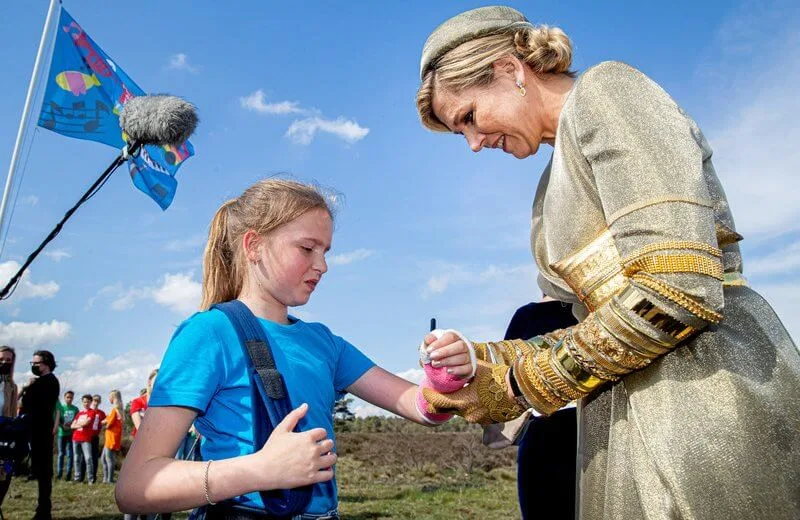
[676, 263]
[507, 351]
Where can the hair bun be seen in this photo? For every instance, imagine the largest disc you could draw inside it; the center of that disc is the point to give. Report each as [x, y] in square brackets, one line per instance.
[545, 49]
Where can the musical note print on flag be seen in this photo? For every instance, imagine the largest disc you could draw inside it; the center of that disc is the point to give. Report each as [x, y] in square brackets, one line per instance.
[84, 95]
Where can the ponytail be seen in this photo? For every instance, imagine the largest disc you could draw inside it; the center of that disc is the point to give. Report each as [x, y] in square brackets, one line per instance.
[262, 208]
[222, 279]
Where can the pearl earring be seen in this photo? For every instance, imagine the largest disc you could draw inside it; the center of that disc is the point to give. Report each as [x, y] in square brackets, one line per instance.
[521, 87]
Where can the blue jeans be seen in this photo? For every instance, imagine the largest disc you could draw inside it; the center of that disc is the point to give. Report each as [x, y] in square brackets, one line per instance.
[64, 452]
[83, 455]
[109, 457]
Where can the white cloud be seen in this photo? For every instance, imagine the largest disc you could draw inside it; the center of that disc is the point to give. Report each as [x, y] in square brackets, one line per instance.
[186, 244]
[755, 148]
[179, 292]
[24, 335]
[783, 261]
[257, 102]
[94, 374]
[303, 131]
[26, 289]
[349, 258]
[30, 200]
[180, 61]
[57, 255]
[126, 300]
[415, 375]
[452, 274]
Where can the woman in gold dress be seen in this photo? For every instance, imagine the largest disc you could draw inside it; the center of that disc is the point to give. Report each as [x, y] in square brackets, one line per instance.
[688, 385]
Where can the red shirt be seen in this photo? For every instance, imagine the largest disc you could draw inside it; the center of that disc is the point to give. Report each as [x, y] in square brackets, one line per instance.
[85, 433]
[138, 405]
[97, 422]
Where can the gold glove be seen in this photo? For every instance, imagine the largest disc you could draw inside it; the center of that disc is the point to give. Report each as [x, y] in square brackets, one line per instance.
[509, 351]
[485, 400]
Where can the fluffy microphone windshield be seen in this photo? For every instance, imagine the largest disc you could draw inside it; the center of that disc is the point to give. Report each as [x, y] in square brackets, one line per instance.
[158, 119]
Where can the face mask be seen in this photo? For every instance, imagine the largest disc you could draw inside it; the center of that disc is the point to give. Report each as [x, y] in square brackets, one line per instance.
[37, 371]
[5, 369]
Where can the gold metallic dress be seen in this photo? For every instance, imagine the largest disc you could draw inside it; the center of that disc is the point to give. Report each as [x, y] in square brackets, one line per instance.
[687, 382]
[697, 409]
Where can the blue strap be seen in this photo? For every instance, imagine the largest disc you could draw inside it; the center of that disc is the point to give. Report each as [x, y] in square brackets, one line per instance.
[270, 395]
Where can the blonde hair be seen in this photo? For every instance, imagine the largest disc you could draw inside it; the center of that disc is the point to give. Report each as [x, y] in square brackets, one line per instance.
[263, 207]
[116, 394]
[546, 50]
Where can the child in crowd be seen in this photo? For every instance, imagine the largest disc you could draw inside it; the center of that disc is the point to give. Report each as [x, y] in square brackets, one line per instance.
[113, 438]
[267, 249]
[66, 414]
[97, 425]
[82, 440]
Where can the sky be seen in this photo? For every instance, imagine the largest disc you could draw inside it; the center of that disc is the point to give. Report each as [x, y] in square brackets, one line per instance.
[324, 92]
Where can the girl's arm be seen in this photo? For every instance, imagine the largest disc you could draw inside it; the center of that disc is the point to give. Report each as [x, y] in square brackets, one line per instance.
[151, 480]
[388, 391]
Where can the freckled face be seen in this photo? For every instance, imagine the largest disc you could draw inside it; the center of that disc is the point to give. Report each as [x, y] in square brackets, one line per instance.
[491, 116]
[293, 257]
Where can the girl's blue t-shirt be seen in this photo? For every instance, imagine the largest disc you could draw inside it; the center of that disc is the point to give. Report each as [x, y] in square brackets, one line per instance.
[204, 368]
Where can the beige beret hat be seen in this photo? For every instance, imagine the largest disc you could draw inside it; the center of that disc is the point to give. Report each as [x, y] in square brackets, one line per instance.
[467, 26]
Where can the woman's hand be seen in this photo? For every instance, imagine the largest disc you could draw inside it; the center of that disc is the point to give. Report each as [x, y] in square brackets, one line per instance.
[295, 459]
[449, 351]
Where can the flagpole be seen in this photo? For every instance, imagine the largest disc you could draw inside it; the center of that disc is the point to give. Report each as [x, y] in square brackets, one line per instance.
[23, 124]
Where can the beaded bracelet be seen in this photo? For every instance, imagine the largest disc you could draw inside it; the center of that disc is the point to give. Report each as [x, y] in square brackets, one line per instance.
[205, 484]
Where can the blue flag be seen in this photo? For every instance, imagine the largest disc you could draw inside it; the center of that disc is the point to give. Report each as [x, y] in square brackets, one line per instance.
[85, 93]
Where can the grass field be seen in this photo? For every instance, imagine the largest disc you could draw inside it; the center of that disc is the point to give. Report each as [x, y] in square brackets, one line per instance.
[416, 476]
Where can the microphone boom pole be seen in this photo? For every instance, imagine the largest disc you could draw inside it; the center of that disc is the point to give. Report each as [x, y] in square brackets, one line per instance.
[131, 150]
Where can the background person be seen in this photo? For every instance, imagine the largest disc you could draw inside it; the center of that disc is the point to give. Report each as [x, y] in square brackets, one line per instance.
[8, 410]
[82, 441]
[686, 379]
[39, 398]
[139, 404]
[535, 465]
[113, 436]
[98, 422]
[65, 414]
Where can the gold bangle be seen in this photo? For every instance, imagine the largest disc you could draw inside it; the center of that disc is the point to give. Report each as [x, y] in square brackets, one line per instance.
[616, 320]
[677, 297]
[564, 390]
[570, 370]
[588, 359]
[611, 355]
[640, 304]
[533, 389]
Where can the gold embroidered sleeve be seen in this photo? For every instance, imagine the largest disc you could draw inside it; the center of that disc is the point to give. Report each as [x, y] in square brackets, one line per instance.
[633, 320]
[654, 278]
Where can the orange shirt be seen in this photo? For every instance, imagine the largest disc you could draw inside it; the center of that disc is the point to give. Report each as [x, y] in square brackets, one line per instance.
[113, 440]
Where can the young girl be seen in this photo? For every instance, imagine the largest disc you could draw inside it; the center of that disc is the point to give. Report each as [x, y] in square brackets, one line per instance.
[267, 248]
[113, 437]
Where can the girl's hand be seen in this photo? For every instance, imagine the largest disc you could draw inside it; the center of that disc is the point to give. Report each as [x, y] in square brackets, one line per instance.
[296, 459]
[449, 351]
